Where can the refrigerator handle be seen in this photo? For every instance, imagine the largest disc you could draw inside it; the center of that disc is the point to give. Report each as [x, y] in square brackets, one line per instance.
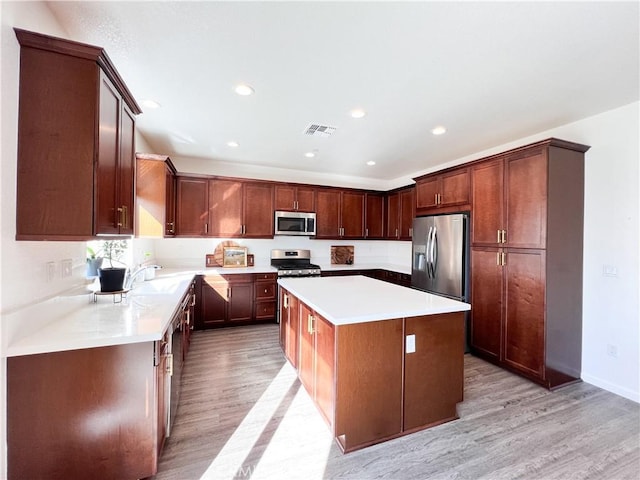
[429, 252]
[434, 252]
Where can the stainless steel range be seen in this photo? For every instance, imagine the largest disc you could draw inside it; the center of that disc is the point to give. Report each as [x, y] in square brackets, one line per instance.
[294, 263]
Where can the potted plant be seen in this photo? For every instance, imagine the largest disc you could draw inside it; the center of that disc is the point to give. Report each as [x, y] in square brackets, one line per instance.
[112, 278]
[94, 262]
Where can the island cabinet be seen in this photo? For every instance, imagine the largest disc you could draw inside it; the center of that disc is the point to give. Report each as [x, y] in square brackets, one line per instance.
[526, 260]
[379, 379]
[89, 413]
[340, 213]
[224, 207]
[76, 120]
[401, 210]
[289, 325]
[295, 198]
[436, 192]
[155, 196]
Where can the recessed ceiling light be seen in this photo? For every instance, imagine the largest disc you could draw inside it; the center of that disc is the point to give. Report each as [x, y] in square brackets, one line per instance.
[309, 154]
[150, 104]
[371, 163]
[244, 89]
[358, 113]
[439, 130]
[233, 144]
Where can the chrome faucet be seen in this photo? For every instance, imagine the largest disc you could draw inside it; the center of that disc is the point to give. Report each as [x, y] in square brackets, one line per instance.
[131, 276]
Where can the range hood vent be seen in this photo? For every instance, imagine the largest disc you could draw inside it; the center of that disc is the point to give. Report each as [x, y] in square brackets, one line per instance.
[319, 130]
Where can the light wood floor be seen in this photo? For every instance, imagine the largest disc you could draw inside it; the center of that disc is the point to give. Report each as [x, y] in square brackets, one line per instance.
[243, 414]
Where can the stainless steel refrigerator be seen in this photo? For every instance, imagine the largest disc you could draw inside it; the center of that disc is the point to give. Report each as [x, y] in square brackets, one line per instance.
[440, 257]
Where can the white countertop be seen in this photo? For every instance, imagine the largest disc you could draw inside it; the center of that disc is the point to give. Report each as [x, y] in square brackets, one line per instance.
[357, 299]
[77, 322]
[73, 321]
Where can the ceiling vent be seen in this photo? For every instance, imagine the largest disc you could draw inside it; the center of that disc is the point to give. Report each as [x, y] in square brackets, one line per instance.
[319, 130]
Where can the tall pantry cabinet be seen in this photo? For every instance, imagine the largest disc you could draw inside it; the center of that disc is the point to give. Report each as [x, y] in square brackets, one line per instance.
[76, 153]
[526, 260]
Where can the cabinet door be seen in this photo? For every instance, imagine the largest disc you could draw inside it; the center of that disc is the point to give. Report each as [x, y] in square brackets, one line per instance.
[285, 197]
[306, 365]
[427, 191]
[170, 203]
[525, 311]
[487, 180]
[486, 301]
[526, 195]
[324, 366]
[352, 215]
[225, 208]
[327, 213]
[436, 365]
[106, 194]
[191, 206]
[374, 216]
[126, 171]
[305, 198]
[455, 188]
[240, 302]
[258, 210]
[292, 333]
[150, 198]
[407, 213]
[393, 215]
[213, 306]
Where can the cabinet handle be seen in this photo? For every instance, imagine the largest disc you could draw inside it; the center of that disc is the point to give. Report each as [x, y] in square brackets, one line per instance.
[504, 236]
[435, 201]
[206, 228]
[397, 236]
[119, 223]
[228, 292]
[498, 259]
[295, 204]
[504, 259]
[310, 323]
[286, 301]
[125, 216]
[411, 231]
[169, 367]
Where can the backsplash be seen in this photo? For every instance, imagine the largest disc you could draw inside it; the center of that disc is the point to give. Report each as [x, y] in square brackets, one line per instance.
[190, 252]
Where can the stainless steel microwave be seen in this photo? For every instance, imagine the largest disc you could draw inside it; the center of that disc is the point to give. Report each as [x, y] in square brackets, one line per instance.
[295, 223]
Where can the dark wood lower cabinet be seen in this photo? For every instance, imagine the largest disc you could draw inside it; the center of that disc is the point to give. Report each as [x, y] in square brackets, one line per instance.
[87, 413]
[367, 388]
[236, 299]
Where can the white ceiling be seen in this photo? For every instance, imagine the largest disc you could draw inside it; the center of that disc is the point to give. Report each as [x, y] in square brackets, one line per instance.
[490, 72]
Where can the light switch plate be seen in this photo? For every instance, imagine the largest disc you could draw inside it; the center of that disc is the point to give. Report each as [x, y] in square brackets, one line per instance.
[411, 344]
[51, 271]
[66, 266]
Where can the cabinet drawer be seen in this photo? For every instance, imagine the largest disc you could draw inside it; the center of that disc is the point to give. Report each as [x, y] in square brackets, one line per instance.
[265, 276]
[265, 290]
[265, 310]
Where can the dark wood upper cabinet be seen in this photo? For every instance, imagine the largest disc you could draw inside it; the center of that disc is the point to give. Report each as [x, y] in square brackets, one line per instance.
[374, 218]
[446, 189]
[294, 198]
[401, 211]
[192, 206]
[76, 121]
[340, 213]
[155, 196]
[224, 207]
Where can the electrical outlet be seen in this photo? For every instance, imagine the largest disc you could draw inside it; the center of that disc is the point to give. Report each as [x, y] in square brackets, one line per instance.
[612, 350]
[411, 344]
[51, 271]
[609, 271]
[66, 267]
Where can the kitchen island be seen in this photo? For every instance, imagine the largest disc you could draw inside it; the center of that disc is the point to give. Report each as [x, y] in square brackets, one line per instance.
[379, 360]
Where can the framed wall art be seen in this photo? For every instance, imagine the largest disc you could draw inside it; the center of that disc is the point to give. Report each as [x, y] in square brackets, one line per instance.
[234, 257]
